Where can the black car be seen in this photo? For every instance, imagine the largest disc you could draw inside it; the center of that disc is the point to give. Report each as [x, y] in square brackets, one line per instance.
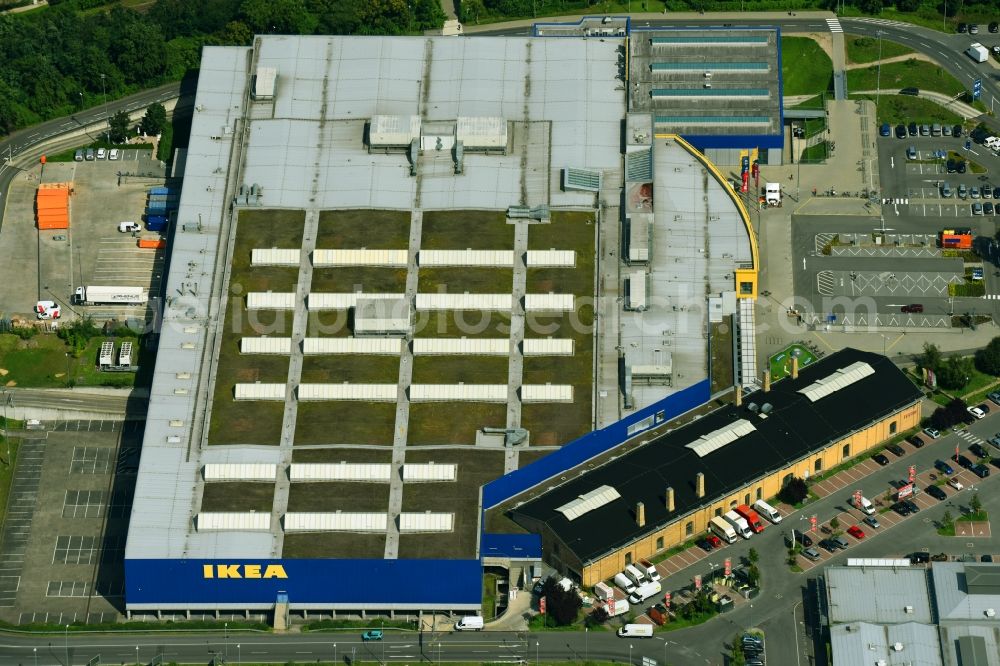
[920, 557]
[829, 545]
[979, 134]
[996, 192]
[980, 470]
[988, 208]
[901, 509]
[915, 441]
[896, 449]
[986, 558]
[900, 131]
[936, 493]
[963, 27]
[880, 459]
[705, 545]
[804, 539]
[911, 505]
[950, 165]
[956, 131]
[962, 461]
[911, 129]
[978, 451]
[960, 166]
[994, 27]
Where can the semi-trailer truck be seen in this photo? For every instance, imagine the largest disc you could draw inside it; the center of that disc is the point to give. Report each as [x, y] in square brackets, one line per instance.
[97, 295]
[978, 52]
[753, 520]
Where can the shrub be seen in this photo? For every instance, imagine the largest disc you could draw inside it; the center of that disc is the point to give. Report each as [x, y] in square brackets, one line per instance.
[794, 492]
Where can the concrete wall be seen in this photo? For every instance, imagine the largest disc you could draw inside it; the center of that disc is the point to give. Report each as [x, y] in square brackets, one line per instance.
[767, 487]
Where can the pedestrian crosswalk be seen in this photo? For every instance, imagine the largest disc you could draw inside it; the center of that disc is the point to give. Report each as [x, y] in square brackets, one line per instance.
[992, 297]
[834, 25]
[970, 438]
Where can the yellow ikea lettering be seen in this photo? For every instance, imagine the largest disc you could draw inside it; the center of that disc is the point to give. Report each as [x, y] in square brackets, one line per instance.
[242, 571]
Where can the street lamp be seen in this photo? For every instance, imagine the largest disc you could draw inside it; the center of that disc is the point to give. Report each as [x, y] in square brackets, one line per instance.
[334, 653]
[225, 627]
[239, 655]
[629, 654]
[136, 655]
[35, 651]
[586, 644]
[536, 653]
[66, 637]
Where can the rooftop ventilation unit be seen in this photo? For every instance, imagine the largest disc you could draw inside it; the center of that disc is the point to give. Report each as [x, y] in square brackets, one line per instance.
[753, 407]
[897, 647]
[766, 408]
[908, 610]
[990, 612]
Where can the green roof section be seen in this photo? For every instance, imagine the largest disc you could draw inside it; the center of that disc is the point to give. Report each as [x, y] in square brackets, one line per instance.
[710, 92]
[709, 66]
[704, 120]
[716, 39]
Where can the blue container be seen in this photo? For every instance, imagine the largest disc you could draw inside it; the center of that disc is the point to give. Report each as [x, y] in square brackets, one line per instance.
[159, 190]
[156, 222]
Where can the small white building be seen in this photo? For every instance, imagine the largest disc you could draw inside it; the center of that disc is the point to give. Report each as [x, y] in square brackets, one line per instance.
[376, 316]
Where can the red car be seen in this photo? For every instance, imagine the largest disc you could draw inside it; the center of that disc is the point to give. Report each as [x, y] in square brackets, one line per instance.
[856, 532]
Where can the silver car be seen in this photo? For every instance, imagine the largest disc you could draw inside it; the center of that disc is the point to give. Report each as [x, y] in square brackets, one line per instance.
[811, 553]
[872, 521]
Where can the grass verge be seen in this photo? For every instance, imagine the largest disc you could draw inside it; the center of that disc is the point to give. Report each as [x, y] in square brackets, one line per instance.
[897, 109]
[45, 361]
[911, 73]
[806, 69]
[862, 49]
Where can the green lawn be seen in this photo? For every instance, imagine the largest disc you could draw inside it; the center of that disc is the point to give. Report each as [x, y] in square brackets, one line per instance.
[466, 229]
[489, 596]
[461, 280]
[372, 229]
[805, 67]
[461, 324]
[238, 496]
[974, 167]
[452, 422]
[370, 279]
[866, 49]
[460, 369]
[908, 74]
[817, 102]
[897, 109]
[45, 361]
[345, 422]
[816, 153]
[781, 362]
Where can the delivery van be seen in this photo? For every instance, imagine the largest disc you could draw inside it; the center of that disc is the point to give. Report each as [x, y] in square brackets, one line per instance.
[470, 623]
[768, 511]
[649, 569]
[637, 576]
[636, 631]
[739, 523]
[644, 591]
[866, 506]
[624, 582]
[723, 530]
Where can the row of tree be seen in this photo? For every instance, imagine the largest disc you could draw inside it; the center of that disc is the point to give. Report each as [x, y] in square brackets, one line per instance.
[61, 59]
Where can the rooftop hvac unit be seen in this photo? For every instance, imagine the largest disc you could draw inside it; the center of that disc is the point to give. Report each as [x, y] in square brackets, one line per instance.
[753, 407]
[766, 408]
[708, 75]
[908, 609]
[897, 647]
[708, 84]
[990, 612]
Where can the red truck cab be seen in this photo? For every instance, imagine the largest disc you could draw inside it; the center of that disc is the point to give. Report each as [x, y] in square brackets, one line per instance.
[756, 524]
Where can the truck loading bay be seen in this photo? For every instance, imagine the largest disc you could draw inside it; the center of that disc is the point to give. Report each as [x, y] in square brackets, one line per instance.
[49, 264]
[889, 269]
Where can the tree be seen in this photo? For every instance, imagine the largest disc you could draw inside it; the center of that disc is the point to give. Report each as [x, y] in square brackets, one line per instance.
[471, 10]
[736, 656]
[118, 127]
[794, 491]
[907, 5]
[931, 358]
[947, 520]
[753, 557]
[560, 604]
[987, 359]
[834, 523]
[282, 17]
[976, 504]
[954, 373]
[155, 119]
[753, 575]
[598, 616]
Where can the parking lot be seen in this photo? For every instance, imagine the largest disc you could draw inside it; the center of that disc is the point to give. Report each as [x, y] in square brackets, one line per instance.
[49, 264]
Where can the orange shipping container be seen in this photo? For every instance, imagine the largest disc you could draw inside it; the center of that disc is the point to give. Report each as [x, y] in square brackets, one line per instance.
[152, 243]
[56, 222]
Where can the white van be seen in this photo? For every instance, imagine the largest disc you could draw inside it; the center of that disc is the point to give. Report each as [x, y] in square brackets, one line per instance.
[623, 581]
[768, 511]
[649, 569]
[636, 631]
[637, 576]
[470, 623]
[723, 529]
[644, 591]
[866, 507]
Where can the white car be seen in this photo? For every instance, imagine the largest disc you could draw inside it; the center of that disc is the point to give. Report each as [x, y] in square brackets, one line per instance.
[113, 154]
[126, 227]
[978, 413]
[955, 483]
[47, 310]
[101, 153]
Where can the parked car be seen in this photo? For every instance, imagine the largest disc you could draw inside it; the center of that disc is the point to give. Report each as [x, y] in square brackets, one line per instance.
[995, 397]
[841, 542]
[956, 131]
[900, 131]
[911, 129]
[986, 558]
[101, 153]
[911, 152]
[920, 557]
[988, 207]
[994, 27]
[943, 467]
[995, 440]
[113, 154]
[973, 192]
[936, 493]
[962, 27]
[996, 192]
[801, 537]
[963, 191]
[811, 553]
[912, 308]
[977, 209]
[977, 412]
[880, 459]
[911, 505]
[946, 130]
[856, 532]
[901, 509]
[915, 441]
[896, 449]
[962, 461]
[973, 29]
[955, 483]
[978, 451]
[932, 433]
[885, 130]
[961, 166]
[708, 543]
[987, 191]
[828, 545]
[90, 155]
[980, 470]
[78, 155]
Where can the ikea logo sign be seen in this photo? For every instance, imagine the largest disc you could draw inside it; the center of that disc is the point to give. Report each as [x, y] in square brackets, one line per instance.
[243, 571]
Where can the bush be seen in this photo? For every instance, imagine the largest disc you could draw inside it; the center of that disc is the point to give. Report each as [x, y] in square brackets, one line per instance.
[794, 492]
[25, 332]
[561, 605]
[987, 359]
[78, 334]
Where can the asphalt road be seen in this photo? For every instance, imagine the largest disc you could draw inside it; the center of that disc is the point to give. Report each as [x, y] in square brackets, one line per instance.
[68, 399]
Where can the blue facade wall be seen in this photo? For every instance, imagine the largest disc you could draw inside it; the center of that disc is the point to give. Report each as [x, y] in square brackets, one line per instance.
[326, 581]
[741, 141]
[592, 444]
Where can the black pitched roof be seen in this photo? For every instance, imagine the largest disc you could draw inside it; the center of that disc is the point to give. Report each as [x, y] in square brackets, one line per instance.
[794, 428]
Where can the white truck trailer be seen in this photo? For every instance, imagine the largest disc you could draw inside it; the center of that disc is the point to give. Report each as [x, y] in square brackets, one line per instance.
[96, 295]
[772, 194]
[978, 52]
